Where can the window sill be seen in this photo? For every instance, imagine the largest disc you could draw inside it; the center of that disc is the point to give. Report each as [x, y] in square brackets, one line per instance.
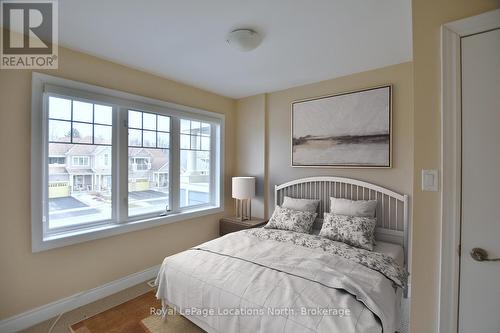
[102, 231]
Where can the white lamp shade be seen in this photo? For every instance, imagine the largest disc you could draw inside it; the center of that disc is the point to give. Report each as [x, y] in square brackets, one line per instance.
[243, 187]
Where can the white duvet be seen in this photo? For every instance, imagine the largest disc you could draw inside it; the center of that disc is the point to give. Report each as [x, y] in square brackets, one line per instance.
[279, 281]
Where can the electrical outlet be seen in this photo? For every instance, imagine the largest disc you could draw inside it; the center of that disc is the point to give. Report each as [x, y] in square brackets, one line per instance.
[152, 283]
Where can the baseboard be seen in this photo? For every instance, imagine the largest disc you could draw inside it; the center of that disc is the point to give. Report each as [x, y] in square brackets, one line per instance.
[47, 311]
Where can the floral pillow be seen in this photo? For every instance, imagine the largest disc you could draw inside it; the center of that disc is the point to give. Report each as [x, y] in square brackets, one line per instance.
[353, 230]
[290, 219]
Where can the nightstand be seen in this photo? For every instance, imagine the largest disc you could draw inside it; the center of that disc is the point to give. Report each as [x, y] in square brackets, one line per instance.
[232, 224]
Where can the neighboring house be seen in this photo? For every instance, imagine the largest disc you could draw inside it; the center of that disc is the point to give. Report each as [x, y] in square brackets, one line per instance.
[147, 168]
[87, 168]
[58, 175]
[78, 168]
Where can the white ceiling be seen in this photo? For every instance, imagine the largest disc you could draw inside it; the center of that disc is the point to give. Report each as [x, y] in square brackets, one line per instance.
[184, 40]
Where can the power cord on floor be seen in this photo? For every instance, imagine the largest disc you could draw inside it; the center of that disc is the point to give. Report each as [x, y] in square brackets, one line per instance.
[55, 322]
[76, 298]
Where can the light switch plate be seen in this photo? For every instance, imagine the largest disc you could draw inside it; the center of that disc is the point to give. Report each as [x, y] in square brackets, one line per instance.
[430, 180]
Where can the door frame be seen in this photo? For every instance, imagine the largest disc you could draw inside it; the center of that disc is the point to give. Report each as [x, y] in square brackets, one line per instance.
[451, 160]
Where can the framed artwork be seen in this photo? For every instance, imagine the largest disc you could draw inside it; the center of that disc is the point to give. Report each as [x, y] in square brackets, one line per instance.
[351, 129]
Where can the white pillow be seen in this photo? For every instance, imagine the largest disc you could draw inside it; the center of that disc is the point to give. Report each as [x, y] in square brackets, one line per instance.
[362, 208]
[309, 205]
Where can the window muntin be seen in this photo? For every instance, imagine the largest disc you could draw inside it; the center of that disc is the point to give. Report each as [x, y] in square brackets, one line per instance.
[148, 130]
[149, 163]
[73, 121]
[195, 175]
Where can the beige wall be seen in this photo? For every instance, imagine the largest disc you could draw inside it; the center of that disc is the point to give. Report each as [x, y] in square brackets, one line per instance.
[428, 16]
[28, 280]
[251, 146]
[275, 108]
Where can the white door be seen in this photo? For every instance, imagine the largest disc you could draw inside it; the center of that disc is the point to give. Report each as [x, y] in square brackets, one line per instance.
[479, 308]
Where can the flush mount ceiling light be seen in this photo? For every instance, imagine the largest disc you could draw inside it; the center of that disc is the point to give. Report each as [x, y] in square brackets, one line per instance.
[244, 39]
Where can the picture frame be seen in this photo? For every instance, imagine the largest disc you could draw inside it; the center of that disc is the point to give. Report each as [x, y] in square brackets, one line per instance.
[351, 129]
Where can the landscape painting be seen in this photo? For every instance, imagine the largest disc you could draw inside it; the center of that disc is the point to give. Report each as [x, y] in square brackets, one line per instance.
[346, 130]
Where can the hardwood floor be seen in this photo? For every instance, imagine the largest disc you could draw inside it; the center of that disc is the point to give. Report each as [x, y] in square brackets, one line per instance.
[124, 318]
[87, 311]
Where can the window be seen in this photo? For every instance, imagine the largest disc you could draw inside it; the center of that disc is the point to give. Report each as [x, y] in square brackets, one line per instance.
[139, 164]
[77, 193]
[149, 155]
[56, 160]
[81, 161]
[114, 162]
[195, 163]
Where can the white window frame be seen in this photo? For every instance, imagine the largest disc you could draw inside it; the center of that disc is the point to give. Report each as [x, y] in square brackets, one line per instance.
[42, 85]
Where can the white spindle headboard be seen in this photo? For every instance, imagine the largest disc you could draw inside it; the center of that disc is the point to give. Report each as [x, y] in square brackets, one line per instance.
[392, 209]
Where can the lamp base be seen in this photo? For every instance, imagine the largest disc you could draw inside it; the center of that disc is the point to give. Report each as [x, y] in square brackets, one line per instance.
[243, 209]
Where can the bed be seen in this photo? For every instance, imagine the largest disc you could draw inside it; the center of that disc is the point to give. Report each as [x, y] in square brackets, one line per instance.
[268, 280]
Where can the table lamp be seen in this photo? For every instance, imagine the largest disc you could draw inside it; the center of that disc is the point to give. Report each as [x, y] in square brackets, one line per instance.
[243, 192]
